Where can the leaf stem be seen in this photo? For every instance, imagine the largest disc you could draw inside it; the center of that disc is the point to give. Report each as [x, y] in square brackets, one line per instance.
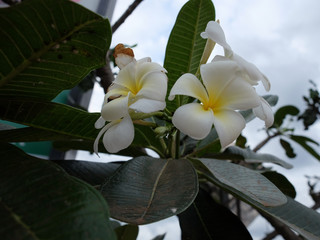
[145, 123]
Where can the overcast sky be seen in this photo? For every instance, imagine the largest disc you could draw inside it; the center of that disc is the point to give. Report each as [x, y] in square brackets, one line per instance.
[280, 36]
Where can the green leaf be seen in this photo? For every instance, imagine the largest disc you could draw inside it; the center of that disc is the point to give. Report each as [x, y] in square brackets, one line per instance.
[4, 127]
[145, 189]
[127, 232]
[159, 237]
[281, 182]
[248, 114]
[30, 134]
[287, 147]
[246, 181]
[295, 215]
[303, 142]
[209, 145]
[58, 122]
[94, 173]
[282, 112]
[40, 201]
[48, 46]
[250, 156]
[49, 116]
[205, 219]
[185, 45]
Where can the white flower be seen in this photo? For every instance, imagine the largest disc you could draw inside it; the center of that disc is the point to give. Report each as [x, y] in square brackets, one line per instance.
[140, 86]
[221, 94]
[215, 33]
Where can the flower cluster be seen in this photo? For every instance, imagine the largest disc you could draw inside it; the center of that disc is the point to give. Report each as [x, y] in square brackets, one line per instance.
[140, 86]
[225, 87]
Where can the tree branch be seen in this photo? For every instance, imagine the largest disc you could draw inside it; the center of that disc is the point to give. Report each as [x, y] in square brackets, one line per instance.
[105, 72]
[125, 15]
[106, 75]
[265, 141]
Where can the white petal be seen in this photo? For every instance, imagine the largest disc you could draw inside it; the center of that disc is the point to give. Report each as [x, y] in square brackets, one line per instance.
[215, 32]
[217, 75]
[142, 60]
[193, 120]
[126, 77]
[119, 136]
[229, 125]
[148, 105]
[102, 131]
[239, 95]
[264, 112]
[123, 60]
[99, 123]
[253, 72]
[115, 90]
[144, 67]
[115, 109]
[189, 85]
[154, 86]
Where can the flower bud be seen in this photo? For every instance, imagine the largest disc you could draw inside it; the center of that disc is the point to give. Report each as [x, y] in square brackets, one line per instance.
[123, 55]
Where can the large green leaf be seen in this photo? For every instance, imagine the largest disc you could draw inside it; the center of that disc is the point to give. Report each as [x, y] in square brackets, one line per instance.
[281, 182]
[94, 173]
[295, 215]
[303, 142]
[48, 46]
[54, 117]
[145, 189]
[185, 45]
[206, 219]
[57, 122]
[38, 200]
[246, 181]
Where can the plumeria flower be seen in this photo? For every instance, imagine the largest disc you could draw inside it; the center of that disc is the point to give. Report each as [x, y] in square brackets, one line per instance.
[215, 34]
[140, 87]
[221, 94]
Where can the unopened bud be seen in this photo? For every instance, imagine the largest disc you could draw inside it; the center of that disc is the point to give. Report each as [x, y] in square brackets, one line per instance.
[123, 55]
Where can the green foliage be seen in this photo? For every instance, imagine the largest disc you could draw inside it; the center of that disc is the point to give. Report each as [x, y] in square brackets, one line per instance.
[291, 213]
[236, 153]
[282, 112]
[281, 182]
[303, 142]
[40, 201]
[245, 181]
[312, 112]
[128, 232]
[206, 219]
[185, 46]
[287, 147]
[145, 189]
[49, 46]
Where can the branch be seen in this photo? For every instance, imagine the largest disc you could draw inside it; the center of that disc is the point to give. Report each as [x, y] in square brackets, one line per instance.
[265, 141]
[105, 72]
[125, 15]
[106, 75]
